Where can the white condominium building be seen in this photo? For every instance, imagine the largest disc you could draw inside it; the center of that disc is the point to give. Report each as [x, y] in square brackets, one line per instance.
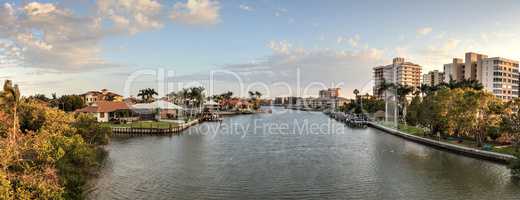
[399, 72]
[499, 76]
[433, 78]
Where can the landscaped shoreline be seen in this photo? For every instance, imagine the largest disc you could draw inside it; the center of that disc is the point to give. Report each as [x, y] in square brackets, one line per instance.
[467, 151]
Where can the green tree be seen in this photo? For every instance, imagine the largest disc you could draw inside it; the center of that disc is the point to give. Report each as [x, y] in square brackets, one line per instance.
[434, 110]
[91, 131]
[511, 122]
[413, 111]
[40, 97]
[197, 94]
[69, 103]
[372, 104]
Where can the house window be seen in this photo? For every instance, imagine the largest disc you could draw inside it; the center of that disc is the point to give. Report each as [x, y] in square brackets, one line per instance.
[102, 115]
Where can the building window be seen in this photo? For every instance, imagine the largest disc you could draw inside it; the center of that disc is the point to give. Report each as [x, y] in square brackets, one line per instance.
[102, 115]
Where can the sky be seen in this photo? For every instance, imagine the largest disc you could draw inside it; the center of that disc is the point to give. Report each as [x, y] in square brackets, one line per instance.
[281, 48]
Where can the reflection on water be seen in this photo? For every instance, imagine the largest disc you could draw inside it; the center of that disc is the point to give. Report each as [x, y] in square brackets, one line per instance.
[297, 155]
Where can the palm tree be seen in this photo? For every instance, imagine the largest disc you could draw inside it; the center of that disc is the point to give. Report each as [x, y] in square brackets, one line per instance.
[228, 95]
[10, 98]
[356, 92]
[258, 94]
[402, 91]
[252, 94]
[147, 94]
[173, 96]
[151, 92]
[383, 88]
[142, 94]
[255, 96]
[424, 89]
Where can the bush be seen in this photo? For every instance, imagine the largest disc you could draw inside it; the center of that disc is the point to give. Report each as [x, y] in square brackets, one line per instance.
[515, 167]
[54, 157]
[92, 131]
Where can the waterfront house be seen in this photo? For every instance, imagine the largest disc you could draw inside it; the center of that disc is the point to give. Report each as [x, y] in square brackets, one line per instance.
[157, 110]
[103, 95]
[236, 104]
[211, 106]
[320, 103]
[105, 111]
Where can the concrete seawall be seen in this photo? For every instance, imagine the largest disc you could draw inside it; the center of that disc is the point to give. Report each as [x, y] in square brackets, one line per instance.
[470, 152]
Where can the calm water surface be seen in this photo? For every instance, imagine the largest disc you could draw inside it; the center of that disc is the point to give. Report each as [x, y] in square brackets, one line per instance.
[292, 155]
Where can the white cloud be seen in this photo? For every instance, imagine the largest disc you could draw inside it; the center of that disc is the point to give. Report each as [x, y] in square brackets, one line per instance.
[35, 8]
[46, 36]
[424, 31]
[196, 12]
[131, 15]
[353, 41]
[280, 47]
[246, 7]
[280, 11]
[432, 55]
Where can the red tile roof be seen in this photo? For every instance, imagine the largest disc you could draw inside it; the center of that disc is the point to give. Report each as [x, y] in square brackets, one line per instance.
[104, 106]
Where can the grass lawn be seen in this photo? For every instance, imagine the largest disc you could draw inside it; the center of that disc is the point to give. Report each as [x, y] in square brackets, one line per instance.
[405, 128]
[146, 124]
[412, 130]
[505, 150]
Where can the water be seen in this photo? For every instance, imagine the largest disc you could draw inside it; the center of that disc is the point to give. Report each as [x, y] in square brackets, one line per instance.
[292, 155]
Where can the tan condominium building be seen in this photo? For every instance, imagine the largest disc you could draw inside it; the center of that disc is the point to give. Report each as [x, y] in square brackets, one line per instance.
[454, 71]
[466, 69]
[399, 72]
[497, 75]
[330, 92]
[433, 78]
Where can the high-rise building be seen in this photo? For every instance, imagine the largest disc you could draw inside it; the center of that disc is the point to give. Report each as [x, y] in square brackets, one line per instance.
[472, 65]
[399, 72]
[497, 75]
[280, 100]
[433, 78]
[454, 71]
[331, 92]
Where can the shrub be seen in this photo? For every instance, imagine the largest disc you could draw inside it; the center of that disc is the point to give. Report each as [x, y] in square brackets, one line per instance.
[515, 167]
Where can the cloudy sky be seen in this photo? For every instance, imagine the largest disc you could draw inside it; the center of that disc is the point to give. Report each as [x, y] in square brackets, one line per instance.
[277, 47]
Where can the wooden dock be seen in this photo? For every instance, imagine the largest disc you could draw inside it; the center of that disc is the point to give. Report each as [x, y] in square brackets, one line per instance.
[152, 131]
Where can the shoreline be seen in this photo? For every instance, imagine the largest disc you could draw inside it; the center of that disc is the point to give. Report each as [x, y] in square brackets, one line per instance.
[457, 149]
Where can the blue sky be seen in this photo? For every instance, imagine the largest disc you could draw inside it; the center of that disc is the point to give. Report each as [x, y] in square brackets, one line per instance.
[75, 46]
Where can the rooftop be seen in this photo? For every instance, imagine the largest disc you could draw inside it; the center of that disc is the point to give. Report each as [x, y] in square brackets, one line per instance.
[104, 106]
